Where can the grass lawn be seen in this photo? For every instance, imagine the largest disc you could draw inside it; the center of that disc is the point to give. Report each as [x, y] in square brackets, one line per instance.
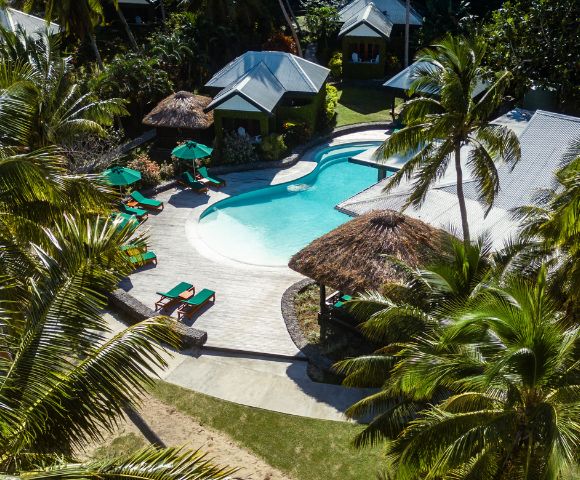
[362, 104]
[305, 448]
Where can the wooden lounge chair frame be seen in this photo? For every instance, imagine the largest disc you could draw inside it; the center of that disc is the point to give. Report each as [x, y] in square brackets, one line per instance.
[166, 301]
[126, 209]
[182, 179]
[187, 310]
[143, 258]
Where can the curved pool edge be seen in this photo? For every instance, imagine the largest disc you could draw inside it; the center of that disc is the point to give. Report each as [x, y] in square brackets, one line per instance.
[261, 253]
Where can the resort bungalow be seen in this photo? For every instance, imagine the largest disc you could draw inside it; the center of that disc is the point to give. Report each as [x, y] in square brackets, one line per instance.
[394, 13]
[259, 91]
[364, 43]
[13, 20]
[544, 139]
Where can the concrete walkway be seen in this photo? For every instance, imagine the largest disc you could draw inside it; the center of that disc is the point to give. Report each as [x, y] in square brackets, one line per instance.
[247, 314]
[255, 381]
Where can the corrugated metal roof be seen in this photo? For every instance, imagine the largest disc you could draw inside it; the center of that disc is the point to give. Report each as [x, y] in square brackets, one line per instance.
[370, 16]
[295, 74]
[543, 142]
[402, 81]
[259, 86]
[11, 19]
[394, 10]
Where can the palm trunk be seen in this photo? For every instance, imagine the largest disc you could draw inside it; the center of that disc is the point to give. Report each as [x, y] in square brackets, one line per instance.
[95, 48]
[407, 21]
[162, 9]
[291, 25]
[461, 196]
[132, 40]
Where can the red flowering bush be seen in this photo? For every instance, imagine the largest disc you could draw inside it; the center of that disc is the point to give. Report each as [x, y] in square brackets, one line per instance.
[150, 171]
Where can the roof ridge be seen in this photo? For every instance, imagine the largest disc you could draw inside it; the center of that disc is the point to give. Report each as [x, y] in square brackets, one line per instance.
[562, 116]
[303, 73]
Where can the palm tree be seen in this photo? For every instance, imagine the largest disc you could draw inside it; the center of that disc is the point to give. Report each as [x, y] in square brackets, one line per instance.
[494, 393]
[291, 26]
[64, 380]
[445, 118]
[44, 99]
[551, 232]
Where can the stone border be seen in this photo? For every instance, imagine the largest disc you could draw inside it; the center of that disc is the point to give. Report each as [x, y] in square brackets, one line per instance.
[312, 352]
[134, 311]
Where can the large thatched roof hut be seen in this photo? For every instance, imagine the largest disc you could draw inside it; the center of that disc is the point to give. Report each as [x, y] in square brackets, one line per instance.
[181, 116]
[351, 258]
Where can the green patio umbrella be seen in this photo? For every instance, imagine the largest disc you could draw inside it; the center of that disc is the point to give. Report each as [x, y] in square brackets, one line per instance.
[121, 176]
[191, 151]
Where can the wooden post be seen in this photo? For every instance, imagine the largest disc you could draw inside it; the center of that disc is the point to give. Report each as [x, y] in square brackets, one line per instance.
[322, 314]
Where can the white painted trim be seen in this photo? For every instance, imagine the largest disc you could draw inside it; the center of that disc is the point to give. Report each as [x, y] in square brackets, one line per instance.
[363, 31]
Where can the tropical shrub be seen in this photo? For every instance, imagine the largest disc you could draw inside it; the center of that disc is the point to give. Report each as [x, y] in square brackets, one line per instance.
[330, 103]
[296, 133]
[167, 170]
[150, 171]
[335, 65]
[323, 24]
[237, 149]
[279, 42]
[273, 147]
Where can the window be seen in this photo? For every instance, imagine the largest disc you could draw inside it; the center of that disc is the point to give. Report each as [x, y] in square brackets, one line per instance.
[365, 52]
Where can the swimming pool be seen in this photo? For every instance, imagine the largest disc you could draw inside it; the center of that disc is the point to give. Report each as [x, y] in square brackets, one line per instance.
[267, 226]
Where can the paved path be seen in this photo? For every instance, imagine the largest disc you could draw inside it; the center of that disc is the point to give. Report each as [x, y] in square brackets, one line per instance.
[246, 315]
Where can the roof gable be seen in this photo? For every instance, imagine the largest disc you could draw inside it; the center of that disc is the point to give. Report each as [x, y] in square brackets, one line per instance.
[370, 16]
[394, 10]
[259, 87]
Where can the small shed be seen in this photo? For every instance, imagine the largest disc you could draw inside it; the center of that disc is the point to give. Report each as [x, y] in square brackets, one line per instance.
[352, 257]
[181, 116]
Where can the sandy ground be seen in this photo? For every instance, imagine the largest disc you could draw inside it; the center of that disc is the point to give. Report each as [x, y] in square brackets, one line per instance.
[177, 429]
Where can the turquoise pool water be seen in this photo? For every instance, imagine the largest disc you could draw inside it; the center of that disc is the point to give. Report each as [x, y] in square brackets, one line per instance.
[267, 226]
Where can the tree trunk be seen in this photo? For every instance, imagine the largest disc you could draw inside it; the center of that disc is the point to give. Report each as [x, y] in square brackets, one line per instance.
[162, 9]
[407, 21]
[291, 25]
[132, 41]
[95, 48]
[461, 196]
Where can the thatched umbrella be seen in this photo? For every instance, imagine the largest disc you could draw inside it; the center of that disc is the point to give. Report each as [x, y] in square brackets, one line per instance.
[351, 258]
[181, 113]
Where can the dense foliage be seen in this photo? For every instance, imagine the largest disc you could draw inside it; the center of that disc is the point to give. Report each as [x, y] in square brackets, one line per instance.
[538, 41]
[64, 378]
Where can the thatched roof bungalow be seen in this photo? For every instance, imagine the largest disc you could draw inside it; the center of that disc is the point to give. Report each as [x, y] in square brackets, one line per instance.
[351, 258]
[179, 117]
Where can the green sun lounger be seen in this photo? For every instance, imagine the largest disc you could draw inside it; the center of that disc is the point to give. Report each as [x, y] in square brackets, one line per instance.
[138, 212]
[173, 294]
[342, 301]
[215, 181]
[189, 180]
[143, 258]
[189, 306]
[145, 202]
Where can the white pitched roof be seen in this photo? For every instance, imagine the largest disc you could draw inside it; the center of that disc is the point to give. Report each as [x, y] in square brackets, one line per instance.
[544, 140]
[394, 10]
[370, 16]
[11, 19]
